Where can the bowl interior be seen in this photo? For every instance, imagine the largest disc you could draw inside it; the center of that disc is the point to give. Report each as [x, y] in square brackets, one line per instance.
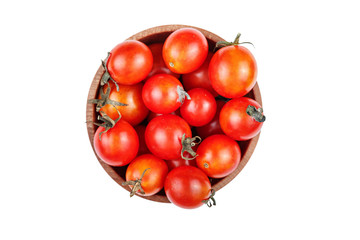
[156, 35]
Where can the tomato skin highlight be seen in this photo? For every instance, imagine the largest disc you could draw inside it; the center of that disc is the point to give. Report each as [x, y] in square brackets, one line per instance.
[130, 62]
[159, 65]
[187, 187]
[160, 93]
[199, 78]
[154, 177]
[213, 127]
[135, 112]
[118, 146]
[236, 123]
[200, 109]
[218, 156]
[233, 71]
[185, 50]
[163, 136]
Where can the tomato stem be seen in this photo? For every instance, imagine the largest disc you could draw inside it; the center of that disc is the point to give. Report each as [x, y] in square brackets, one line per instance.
[105, 99]
[257, 114]
[211, 200]
[221, 44]
[136, 184]
[106, 76]
[107, 123]
[187, 144]
[182, 94]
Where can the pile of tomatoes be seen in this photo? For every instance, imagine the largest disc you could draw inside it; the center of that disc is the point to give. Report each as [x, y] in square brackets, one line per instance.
[173, 112]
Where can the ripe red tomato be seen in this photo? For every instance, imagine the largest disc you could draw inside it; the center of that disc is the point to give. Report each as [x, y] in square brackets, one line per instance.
[199, 78]
[185, 50]
[213, 127]
[158, 63]
[233, 71]
[187, 187]
[135, 111]
[118, 146]
[163, 93]
[140, 130]
[146, 172]
[129, 62]
[218, 156]
[200, 109]
[163, 136]
[241, 118]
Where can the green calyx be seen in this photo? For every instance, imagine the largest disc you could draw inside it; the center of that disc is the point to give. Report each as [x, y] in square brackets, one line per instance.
[211, 200]
[187, 144]
[105, 99]
[136, 184]
[221, 44]
[182, 95]
[106, 76]
[107, 121]
[256, 113]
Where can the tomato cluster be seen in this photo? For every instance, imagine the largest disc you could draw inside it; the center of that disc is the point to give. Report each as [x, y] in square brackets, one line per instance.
[173, 112]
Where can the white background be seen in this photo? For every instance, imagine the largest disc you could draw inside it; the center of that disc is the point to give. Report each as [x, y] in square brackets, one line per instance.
[302, 181]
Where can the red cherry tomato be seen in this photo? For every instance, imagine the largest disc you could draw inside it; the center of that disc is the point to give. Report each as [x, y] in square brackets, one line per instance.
[135, 111]
[236, 122]
[200, 109]
[218, 156]
[233, 71]
[129, 62]
[140, 130]
[199, 78]
[185, 50]
[187, 187]
[118, 146]
[163, 93]
[149, 171]
[159, 64]
[213, 127]
[163, 136]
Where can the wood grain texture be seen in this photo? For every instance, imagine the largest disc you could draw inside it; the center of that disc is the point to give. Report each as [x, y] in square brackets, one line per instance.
[149, 36]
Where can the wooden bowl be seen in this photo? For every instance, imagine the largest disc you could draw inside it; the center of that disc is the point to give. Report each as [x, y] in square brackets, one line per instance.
[149, 36]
